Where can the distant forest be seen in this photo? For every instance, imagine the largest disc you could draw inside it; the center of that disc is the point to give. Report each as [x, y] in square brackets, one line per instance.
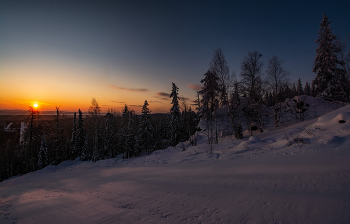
[260, 94]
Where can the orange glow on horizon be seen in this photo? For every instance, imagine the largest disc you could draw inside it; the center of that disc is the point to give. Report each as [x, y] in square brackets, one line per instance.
[53, 88]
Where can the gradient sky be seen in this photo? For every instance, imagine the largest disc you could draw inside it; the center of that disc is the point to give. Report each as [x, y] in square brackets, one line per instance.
[65, 53]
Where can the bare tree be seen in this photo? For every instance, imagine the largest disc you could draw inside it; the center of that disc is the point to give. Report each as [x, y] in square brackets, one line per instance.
[277, 79]
[218, 65]
[251, 73]
[94, 108]
[94, 112]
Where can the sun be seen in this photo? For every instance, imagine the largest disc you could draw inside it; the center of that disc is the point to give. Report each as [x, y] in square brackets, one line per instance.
[35, 105]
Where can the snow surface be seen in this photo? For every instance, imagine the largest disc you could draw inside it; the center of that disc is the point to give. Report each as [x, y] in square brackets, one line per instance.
[259, 179]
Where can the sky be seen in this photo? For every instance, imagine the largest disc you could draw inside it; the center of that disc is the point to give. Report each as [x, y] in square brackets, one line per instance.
[64, 53]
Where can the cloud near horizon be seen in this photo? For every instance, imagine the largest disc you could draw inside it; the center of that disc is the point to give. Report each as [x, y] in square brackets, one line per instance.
[162, 96]
[184, 98]
[153, 101]
[129, 89]
[121, 102]
[166, 96]
[195, 87]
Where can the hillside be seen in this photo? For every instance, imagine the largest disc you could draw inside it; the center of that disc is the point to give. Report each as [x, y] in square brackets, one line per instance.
[296, 173]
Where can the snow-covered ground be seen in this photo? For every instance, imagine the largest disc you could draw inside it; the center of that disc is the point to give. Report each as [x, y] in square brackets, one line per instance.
[259, 179]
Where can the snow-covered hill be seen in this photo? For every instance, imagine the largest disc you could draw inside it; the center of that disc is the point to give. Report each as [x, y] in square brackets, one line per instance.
[296, 173]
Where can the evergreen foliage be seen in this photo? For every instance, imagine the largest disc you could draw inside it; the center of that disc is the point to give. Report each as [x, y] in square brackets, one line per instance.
[81, 135]
[299, 88]
[327, 65]
[307, 89]
[42, 157]
[145, 130]
[175, 117]
[210, 103]
[73, 148]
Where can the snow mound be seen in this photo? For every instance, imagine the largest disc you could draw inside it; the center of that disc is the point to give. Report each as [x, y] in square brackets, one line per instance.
[331, 119]
[253, 139]
[342, 116]
[333, 140]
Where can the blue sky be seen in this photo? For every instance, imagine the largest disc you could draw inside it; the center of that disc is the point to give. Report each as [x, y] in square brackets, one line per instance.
[115, 50]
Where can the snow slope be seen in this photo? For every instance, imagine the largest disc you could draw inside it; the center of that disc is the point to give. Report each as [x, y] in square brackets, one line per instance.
[260, 179]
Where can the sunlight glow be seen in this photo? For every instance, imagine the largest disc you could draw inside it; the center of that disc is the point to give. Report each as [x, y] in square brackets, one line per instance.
[35, 105]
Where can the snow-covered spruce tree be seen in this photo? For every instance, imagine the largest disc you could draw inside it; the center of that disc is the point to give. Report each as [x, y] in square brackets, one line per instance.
[175, 117]
[30, 148]
[209, 103]
[299, 88]
[277, 78]
[109, 136]
[86, 151]
[294, 91]
[81, 134]
[73, 149]
[313, 88]
[287, 92]
[97, 152]
[186, 118]
[145, 130]
[127, 134]
[58, 154]
[164, 131]
[218, 65]
[307, 89]
[42, 157]
[124, 131]
[327, 65]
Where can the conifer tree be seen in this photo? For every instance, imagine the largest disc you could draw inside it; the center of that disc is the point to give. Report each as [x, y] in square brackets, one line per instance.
[42, 157]
[145, 130]
[110, 136]
[175, 117]
[313, 88]
[58, 154]
[287, 91]
[127, 133]
[307, 89]
[73, 153]
[81, 135]
[209, 103]
[327, 65]
[86, 152]
[299, 88]
[294, 91]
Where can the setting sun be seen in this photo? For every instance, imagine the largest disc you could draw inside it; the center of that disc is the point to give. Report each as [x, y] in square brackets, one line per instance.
[35, 105]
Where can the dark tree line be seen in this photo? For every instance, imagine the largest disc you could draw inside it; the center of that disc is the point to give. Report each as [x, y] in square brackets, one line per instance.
[95, 136]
